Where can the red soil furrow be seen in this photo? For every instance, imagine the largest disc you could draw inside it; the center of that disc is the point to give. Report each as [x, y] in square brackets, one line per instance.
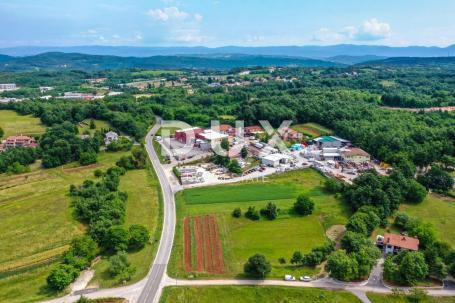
[217, 249]
[199, 244]
[187, 244]
[207, 246]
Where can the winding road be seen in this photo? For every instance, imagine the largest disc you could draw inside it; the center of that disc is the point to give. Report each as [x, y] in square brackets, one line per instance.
[149, 289]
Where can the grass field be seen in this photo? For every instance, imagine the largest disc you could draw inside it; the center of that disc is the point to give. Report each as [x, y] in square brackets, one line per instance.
[242, 238]
[312, 130]
[381, 298]
[100, 124]
[437, 210]
[143, 207]
[36, 225]
[253, 294]
[14, 124]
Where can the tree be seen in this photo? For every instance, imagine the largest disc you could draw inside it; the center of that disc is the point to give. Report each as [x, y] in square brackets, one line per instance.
[234, 167]
[138, 236]
[92, 124]
[342, 266]
[333, 186]
[237, 213]
[303, 206]
[270, 211]
[61, 276]
[297, 258]
[402, 220]
[437, 179]
[257, 266]
[117, 239]
[87, 158]
[416, 192]
[252, 213]
[407, 268]
[2, 132]
[243, 152]
[282, 260]
[353, 242]
[225, 144]
[364, 221]
[120, 266]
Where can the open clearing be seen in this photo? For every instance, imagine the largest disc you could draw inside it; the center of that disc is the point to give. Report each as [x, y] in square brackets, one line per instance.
[242, 238]
[312, 130]
[437, 210]
[381, 298]
[84, 126]
[253, 294]
[14, 124]
[37, 205]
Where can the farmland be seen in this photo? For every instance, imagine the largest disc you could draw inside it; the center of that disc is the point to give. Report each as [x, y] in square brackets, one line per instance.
[39, 207]
[312, 130]
[241, 237]
[11, 122]
[250, 294]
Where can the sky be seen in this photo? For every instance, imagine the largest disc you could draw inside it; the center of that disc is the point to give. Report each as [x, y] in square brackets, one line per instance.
[226, 22]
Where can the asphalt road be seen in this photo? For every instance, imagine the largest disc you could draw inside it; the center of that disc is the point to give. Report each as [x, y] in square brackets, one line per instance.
[153, 286]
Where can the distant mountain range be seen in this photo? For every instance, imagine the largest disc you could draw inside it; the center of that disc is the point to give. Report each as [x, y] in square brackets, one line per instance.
[75, 61]
[315, 52]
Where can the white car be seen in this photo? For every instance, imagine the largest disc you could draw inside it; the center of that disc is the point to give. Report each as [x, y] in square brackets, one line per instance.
[289, 278]
[305, 279]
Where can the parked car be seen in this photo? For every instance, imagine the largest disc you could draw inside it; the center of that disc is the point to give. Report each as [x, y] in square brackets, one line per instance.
[289, 278]
[305, 279]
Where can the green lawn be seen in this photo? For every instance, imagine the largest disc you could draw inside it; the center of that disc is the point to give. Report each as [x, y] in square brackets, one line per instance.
[253, 294]
[242, 238]
[14, 124]
[143, 207]
[437, 210]
[36, 225]
[100, 125]
[381, 298]
[312, 130]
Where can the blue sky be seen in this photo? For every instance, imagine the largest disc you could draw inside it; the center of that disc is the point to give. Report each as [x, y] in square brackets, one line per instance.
[226, 22]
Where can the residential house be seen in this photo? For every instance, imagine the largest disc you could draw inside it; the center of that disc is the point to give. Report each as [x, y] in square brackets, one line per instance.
[20, 141]
[288, 134]
[253, 130]
[395, 243]
[8, 86]
[110, 137]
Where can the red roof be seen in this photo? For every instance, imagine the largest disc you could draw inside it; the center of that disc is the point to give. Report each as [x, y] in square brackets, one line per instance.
[253, 129]
[401, 241]
[225, 127]
[354, 151]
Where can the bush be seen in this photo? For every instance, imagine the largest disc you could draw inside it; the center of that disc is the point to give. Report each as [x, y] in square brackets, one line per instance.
[87, 158]
[120, 267]
[333, 186]
[237, 213]
[407, 268]
[122, 144]
[342, 266]
[61, 276]
[416, 192]
[138, 236]
[252, 213]
[304, 206]
[117, 239]
[270, 211]
[437, 179]
[257, 266]
[364, 221]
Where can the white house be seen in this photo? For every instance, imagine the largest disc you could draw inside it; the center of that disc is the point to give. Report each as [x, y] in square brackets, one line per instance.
[274, 160]
[110, 137]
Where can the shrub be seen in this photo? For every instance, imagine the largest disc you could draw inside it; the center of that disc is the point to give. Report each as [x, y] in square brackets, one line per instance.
[138, 236]
[252, 214]
[270, 211]
[120, 266]
[304, 206]
[61, 276]
[237, 213]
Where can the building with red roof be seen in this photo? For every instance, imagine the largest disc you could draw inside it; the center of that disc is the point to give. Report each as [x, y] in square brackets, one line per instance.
[20, 141]
[394, 243]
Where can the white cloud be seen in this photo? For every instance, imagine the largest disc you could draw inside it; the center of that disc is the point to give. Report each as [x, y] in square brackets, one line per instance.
[167, 14]
[198, 17]
[371, 30]
[374, 30]
[187, 35]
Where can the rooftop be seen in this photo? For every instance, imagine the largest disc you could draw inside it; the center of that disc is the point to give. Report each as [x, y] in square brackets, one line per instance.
[356, 152]
[401, 241]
